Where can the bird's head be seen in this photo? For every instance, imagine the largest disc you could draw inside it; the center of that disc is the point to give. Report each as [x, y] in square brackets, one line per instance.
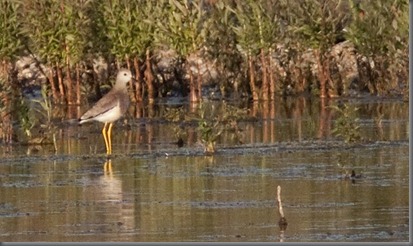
[124, 76]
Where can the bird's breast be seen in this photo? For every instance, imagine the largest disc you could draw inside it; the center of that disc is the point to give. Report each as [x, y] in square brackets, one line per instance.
[124, 103]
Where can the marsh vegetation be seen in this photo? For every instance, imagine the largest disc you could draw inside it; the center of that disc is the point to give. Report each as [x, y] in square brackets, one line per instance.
[59, 53]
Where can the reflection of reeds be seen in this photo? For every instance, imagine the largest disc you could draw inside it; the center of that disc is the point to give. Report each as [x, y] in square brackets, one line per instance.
[378, 120]
[291, 119]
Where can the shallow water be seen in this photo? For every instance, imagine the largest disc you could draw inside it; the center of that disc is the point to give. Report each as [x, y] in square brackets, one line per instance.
[152, 190]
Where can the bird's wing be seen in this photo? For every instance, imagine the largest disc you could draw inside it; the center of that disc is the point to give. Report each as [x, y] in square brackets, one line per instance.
[105, 104]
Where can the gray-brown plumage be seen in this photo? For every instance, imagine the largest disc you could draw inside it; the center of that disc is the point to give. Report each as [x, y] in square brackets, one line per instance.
[110, 107]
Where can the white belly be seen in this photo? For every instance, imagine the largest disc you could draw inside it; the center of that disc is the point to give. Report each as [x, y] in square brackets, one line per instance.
[110, 115]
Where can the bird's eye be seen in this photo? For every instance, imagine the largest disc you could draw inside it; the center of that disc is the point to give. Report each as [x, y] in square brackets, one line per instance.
[125, 74]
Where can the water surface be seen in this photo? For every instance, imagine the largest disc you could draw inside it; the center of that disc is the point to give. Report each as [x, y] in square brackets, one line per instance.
[153, 190]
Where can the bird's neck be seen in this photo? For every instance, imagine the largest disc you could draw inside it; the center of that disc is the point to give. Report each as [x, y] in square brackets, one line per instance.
[120, 86]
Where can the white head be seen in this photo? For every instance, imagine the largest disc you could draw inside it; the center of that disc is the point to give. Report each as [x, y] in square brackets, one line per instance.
[123, 77]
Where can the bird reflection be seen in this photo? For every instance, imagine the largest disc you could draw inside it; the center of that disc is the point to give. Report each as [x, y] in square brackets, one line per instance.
[107, 168]
[112, 196]
[110, 184]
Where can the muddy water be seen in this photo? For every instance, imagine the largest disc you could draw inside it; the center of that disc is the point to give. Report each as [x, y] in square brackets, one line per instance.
[152, 190]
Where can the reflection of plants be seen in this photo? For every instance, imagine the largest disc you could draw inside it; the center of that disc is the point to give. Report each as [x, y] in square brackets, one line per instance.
[347, 124]
[378, 120]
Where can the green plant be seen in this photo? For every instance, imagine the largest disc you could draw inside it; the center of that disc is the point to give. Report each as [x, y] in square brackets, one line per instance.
[379, 32]
[257, 31]
[210, 130]
[117, 26]
[183, 29]
[244, 39]
[176, 115]
[221, 46]
[6, 127]
[25, 117]
[214, 121]
[14, 108]
[46, 109]
[347, 124]
[128, 29]
[57, 32]
[318, 24]
[10, 29]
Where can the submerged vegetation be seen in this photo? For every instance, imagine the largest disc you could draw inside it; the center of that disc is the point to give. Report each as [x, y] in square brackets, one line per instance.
[257, 49]
[347, 124]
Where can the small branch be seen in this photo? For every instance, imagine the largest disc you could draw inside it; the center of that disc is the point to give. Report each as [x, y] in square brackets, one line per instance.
[78, 96]
[283, 221]
[280, 208]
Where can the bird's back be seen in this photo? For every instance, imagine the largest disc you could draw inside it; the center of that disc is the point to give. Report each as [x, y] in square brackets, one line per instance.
[115, 98]
[114, 104]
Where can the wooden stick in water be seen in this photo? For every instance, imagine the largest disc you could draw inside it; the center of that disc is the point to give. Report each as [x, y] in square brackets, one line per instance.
[283, 221]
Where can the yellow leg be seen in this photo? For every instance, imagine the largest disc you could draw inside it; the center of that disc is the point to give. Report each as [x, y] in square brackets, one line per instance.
[105, 137]
[110, 138]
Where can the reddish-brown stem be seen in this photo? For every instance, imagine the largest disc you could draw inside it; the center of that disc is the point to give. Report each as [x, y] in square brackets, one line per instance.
[149, 78]
[60, 83]
[265, 86]
[252, 79]
[192, 90]
[199, 83]
[272, 79]
[138, 85]
[321, 73]
[78, 97]
[69, 86]
[55, 93]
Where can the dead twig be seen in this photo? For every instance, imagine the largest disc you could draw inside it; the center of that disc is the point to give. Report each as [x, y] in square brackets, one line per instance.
[283, 221]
